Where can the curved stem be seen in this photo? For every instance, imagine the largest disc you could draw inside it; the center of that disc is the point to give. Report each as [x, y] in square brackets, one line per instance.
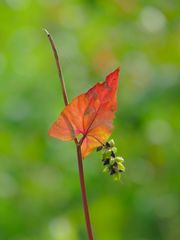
[83, 192]
[58, 67]
[78, 145]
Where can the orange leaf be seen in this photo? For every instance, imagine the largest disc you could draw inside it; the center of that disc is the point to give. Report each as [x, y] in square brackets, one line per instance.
[89, 114]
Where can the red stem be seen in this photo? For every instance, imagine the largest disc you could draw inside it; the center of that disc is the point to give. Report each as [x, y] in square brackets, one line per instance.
[83, 192]
[78, 145]
[60, 73]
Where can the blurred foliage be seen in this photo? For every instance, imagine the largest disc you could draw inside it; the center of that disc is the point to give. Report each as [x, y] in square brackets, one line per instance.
[39, 186]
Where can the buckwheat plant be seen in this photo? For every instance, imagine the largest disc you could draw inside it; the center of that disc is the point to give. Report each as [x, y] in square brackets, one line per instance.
[90, 116]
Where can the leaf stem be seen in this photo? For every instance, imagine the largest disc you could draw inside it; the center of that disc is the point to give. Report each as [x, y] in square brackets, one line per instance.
[78, 145]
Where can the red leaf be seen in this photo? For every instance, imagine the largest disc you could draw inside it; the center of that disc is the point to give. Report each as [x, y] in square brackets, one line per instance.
[89, 114]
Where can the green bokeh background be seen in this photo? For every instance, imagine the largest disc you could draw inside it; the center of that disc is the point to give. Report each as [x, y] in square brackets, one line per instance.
[39, 185]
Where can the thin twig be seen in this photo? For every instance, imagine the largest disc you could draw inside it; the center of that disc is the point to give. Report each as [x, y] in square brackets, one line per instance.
[78, 145]
[58, 66]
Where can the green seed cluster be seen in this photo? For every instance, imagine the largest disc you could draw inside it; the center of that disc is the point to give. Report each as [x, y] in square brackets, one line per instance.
[112, 164]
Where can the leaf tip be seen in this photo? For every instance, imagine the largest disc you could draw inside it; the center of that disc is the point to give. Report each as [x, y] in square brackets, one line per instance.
[118, 69]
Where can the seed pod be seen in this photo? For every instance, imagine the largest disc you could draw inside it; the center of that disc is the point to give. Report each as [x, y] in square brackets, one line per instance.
[121, 167]
[111, 143]
[106, 154]
[113, 164]
[108, 145]
[113, 154]
[114, 149]
[106, 161]
[106, 169]
[99, 148]
[117, 176]
[115, 167]
[112, 161]
[112, 171]
[119, 159]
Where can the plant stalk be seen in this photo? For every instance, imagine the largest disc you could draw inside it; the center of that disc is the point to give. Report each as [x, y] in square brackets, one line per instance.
[60, 73]
[78, 145]
[83, 192]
